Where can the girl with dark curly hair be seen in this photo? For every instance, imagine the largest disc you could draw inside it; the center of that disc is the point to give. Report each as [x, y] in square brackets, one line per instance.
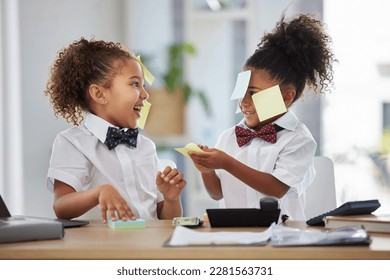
[242, 170]
[102, 161]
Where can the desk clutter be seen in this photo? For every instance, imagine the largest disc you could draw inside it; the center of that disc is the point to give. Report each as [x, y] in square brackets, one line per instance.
[277, 235]
[362, 207]
[340, 232]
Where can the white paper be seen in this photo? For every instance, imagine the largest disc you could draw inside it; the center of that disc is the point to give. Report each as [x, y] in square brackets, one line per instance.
[241, 85]
[286, 236]
[183, 236]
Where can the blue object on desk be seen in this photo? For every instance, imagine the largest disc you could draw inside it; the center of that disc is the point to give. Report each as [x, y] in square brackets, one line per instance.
[129, 224]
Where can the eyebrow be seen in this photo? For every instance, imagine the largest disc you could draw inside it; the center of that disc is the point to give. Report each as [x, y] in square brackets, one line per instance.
[135, 77]
[255, 88]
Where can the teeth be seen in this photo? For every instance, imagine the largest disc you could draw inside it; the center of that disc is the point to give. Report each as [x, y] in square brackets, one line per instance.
[137, 107]
[248, 113]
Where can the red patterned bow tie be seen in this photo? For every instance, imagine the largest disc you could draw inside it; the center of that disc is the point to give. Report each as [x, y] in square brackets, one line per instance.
[267, 133]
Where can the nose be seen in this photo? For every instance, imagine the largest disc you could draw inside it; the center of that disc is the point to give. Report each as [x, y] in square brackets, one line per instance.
[144, 94]
[246, 100]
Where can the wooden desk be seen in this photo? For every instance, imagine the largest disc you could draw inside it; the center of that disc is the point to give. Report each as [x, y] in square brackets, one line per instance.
[97, 241]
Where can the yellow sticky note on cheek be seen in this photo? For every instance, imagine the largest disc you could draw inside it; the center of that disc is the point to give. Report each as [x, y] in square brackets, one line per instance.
[148, 75]
[191, 147]
[144, 114]
[269, 103]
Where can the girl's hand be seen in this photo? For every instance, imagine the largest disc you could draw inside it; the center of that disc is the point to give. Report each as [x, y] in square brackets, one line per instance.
[210, 160]
[201, 168]
[112, 204]
[170, 182]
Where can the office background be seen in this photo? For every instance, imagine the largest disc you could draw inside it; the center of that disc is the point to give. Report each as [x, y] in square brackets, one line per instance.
[351, 125]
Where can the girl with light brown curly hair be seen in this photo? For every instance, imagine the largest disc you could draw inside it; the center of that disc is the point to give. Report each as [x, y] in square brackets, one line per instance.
[103, 161]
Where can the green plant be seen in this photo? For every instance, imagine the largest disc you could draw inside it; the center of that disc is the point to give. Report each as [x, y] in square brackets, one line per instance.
[174, 79]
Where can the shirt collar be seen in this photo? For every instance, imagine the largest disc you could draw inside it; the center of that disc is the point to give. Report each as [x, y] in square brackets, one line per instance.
[288, 121]
[97, 126]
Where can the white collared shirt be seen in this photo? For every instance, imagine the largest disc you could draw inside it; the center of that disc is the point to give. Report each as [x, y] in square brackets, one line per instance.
[82, 160]
[290, 160]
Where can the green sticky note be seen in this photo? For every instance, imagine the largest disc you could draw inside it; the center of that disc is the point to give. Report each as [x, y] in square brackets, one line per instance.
[269, 103]
[129, 224]
[148, 75]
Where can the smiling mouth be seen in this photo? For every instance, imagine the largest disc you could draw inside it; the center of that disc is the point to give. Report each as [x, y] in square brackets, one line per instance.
[248, 113]
[138, 108]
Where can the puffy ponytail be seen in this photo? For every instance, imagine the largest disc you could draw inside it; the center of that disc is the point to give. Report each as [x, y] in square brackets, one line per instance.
[297, 52]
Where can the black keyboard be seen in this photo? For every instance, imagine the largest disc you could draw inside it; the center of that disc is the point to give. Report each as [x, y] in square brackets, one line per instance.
[349, 208]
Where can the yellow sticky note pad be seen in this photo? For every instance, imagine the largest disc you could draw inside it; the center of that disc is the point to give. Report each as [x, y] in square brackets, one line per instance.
[191, 147]
[269, 103]
[148, 76]
[144, 114]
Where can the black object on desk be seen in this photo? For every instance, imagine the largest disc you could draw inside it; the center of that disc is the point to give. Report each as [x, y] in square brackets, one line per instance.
[246, 217]
[361, 207]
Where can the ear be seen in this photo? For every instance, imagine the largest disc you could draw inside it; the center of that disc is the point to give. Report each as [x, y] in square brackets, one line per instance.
[288, 96]
[97, 94]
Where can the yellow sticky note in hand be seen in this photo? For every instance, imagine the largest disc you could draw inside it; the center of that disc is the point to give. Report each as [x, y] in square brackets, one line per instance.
[269, 103]
[148, 76]
[144, 114]
[191, 147]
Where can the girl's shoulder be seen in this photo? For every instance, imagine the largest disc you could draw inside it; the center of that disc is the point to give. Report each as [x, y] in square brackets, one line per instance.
[226, 137]
[228, 132]
[74, 132]
[145, 141]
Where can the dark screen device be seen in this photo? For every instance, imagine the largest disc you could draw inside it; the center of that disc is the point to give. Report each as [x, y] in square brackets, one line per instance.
[246, 217]
[361, 207]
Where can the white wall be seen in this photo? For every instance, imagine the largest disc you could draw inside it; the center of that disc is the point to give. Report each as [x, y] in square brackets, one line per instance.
[353, 115]
[46, 27]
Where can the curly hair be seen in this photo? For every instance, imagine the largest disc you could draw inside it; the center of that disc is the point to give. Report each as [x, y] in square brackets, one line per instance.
[297, 52]
[78, 66]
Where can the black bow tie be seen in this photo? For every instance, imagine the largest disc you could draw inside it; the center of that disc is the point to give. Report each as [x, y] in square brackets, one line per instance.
[115, 137]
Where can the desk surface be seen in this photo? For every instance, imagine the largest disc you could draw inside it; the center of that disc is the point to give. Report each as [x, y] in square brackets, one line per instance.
[97, 241]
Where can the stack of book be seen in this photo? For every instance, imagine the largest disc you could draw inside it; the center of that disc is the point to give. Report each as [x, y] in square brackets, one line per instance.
[372, 223]
[21, 229]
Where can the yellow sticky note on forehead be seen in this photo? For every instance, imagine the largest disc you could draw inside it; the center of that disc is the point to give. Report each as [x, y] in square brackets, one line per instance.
[148, 76]
[191, 147]
[144, 114]
[269, 103]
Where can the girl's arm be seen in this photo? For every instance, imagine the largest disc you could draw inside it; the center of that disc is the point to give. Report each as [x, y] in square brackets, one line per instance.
[168, 210]
[69, 204]
[212, 184]
[209, 177]
[170, 183]
[260, 181]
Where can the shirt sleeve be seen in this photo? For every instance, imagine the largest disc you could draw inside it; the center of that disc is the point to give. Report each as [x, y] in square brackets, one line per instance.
[221, 143]
[295, 161]
[67, 164]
